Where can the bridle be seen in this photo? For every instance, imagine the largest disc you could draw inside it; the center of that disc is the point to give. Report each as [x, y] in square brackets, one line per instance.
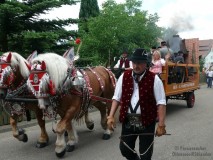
[38, 76]
[6, 70]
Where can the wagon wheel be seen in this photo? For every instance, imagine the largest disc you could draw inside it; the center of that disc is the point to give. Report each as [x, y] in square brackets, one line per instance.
[190, 100]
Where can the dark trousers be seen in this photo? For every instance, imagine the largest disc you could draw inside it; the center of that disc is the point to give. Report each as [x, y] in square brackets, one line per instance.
[144, 142]
[209, 82]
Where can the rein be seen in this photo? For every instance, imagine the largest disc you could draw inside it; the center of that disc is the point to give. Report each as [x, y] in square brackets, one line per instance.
[20, 89]
[141, 134]
[93, 97]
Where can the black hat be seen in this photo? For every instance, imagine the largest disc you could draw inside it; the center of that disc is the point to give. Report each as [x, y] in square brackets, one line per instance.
[125, 51]
[139, 55]
[163, 43]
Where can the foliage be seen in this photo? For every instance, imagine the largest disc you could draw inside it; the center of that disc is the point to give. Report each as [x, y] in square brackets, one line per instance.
[201, 63]
[23, 30]
[119, 27]
[88, 9]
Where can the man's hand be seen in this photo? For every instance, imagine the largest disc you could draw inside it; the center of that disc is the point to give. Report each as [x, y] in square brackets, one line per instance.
[111, 122]
[161, 130]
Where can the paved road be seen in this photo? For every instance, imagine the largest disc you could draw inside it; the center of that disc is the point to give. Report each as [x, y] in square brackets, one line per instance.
[191, 138]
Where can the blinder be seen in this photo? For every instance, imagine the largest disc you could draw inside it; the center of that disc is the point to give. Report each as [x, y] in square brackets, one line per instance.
[6, 69]
[34, 80]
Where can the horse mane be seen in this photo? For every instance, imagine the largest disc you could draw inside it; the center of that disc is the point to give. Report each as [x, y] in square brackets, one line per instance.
[56, 67]
[18, 60]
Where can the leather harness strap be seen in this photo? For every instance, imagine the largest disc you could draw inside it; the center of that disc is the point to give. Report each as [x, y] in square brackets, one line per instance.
[101, 82]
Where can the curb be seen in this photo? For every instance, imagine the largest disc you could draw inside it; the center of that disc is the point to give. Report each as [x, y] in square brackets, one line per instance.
[26, 124]
[23, 124]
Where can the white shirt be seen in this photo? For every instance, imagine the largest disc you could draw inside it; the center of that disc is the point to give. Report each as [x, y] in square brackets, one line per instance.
[210, 73]
[123, 65]
[159, 92]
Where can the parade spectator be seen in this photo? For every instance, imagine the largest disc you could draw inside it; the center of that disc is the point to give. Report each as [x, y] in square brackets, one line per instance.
[141, 95]
[179, 58]
[209, 74]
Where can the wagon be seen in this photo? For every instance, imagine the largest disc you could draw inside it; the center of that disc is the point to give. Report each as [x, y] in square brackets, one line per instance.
[180, 81]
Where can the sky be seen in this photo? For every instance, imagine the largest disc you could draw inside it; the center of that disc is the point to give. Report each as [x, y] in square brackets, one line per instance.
[191, 18]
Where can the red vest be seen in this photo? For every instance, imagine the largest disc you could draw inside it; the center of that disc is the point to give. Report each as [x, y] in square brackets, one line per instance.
[146, 97]
[125, 61]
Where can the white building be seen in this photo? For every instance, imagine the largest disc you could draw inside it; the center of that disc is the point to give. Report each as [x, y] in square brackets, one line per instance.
[209, 59]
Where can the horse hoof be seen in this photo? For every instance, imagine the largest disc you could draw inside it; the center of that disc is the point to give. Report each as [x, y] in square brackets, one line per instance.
[41, 144]
[25, 138]
[60, 155]
[66, 134]
[70, 148]
[21, 131]
[106, 136]
[91, 127]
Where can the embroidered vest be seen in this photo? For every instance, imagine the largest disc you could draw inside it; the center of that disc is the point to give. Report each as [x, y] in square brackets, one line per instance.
[146, 97]
[125, 61]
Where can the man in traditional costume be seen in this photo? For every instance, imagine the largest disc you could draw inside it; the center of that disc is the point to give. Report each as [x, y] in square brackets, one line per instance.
[141, 95]
[123, 64]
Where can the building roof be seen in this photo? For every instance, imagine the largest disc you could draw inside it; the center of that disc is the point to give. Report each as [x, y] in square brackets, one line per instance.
[205, 47]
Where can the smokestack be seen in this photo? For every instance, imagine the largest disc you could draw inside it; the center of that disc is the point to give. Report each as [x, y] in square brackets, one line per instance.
[176, 44]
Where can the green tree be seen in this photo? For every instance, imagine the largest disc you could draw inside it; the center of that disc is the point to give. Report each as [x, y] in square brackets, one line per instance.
[119, 27]
[88, 9]
[201, 63]
[23, 30]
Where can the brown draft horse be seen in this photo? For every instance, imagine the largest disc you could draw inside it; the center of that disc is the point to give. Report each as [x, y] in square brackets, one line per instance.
[13, 78]
[69, 92]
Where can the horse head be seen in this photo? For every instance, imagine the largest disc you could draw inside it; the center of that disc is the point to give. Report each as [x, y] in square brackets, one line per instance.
[39, 83]
[47, 74]
[13, 72]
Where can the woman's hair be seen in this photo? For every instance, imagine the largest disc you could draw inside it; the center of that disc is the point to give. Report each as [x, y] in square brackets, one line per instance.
[156, 52]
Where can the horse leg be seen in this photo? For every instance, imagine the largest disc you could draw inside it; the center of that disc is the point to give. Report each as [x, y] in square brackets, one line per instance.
[60, 145]
[17, 133]
[103, 110]
[43, 139]
[89, 122]
[65, 125]
[72, 137]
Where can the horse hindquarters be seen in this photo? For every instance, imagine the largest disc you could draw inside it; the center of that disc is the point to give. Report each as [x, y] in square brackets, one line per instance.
[105, 89]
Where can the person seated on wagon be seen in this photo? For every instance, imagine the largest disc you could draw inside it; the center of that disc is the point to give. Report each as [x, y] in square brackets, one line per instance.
[166, 52]
[157, 63]
[179, 58]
